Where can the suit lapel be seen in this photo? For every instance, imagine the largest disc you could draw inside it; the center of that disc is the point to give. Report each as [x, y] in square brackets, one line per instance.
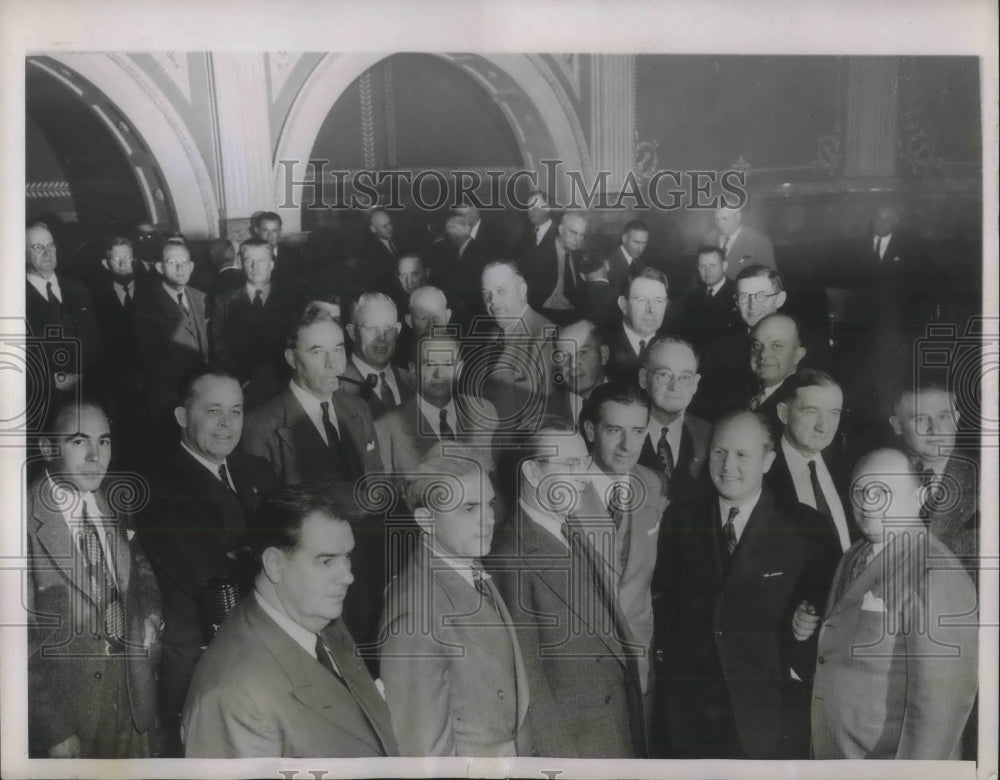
[117, 541]
[351, 425]
[298, 430]
[54, 536]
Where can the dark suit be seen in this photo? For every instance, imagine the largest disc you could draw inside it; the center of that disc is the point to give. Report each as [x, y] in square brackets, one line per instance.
[74, 687]
[724, 647]
[352, 383]
[191, 526]
[952, 509]
[540, 267]
[530, 240]
[379, 262]
[708, 319]
[256, 692]
[726, 378]
[598, 302]
[689, 472]
[750, 247]
[566, 614]
[244, 339]
[623, 363]
[459, 278]
[620, 269]
[170, 343]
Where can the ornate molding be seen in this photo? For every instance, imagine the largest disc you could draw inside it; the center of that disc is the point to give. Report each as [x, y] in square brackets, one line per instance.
[367, 119]
[571, 66]
[916, 145]
[280, 65]
[174, 65]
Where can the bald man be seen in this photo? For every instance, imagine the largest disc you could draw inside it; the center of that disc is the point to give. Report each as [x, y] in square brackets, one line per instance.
[896, 673]
[775, 353]
[742, 245]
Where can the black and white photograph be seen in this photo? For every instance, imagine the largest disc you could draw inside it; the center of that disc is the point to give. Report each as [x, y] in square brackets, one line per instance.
[548, 390]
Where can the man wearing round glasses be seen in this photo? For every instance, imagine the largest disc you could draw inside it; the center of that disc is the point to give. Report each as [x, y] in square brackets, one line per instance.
[676, 442]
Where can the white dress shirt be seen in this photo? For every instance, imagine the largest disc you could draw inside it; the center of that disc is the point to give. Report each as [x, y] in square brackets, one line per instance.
[881, 247]
[634, 338]
[174, 293]
[541, 230]
[265, 292]
[311, 404]
[96, 517]
[39, 284]
[746, 509]
[433, 414]
[798, 467]
[212, 467]
[390, 376]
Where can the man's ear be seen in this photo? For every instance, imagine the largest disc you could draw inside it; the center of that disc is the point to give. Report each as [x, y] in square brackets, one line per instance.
[290, 358]
[399, 327]
[642, 377]
[621, 304]
[159, 267]
[897, 425]
[783, 412]
[272, 559]
[605, 353]
[531, 472]
[447, 316]
[588, 431]
[104, 262]
[697, 381]
[769, 460]
[181, 415]
[409, 320]
[800, 352]
[48, 448]
[350, 332]
[779, 299]
[423, 517]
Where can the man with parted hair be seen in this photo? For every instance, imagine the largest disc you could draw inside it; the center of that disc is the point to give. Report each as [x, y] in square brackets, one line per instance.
[731, 585]
[627, 257]
[742, 245]
[374, 329]
[549, 564]
[597, 296]
[281, 678]
[579, 358]
[541, 228]
[456, 682]
[643, 307]
[709, 307]
[550, 269]
[676, 442]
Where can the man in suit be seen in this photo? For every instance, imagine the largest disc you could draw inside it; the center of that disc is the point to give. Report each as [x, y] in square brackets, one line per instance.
[193, 526]
[897, 667]
[313, 431]
[541, 226]
[516, 378]
[597, 299]
[455, 679]
[549, 566]
[578, 359]
[643, 308]
[426, 309]
[171, 329]
[741, 244]
[487, 240]
[457, 266]
[709, 307]
[281, 677]
[374, 328]
[730, 582]
[56, 301]
[248, 323]
[625, 260]
[775, 353]
[94, 613]
[267, 226]
[550, 270]
[411, 274]
[676, 442]
[435, 414]
[809, 408]
[615, 419]
[379, 252]
[925, 418]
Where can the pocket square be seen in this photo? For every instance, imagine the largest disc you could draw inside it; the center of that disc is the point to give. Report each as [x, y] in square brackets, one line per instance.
[773, 574]
[654, 530]
[369, 446]
[872, 603]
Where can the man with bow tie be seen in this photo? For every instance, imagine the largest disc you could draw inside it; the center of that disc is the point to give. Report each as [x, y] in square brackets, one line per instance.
[94, 612]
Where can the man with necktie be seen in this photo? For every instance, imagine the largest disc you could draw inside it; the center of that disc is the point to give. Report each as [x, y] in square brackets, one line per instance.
[281, 678]
[370, 373]
[897, 665]
[643, 307]
[741, 244]
[94, 613]
[729, 582]
[550, 271]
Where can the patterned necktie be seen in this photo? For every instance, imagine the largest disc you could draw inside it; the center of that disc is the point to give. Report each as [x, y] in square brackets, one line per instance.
[623, 527]
[642, 349]
[52, 296]
[821, 506]
[665, 454]
[323, 656]
[485, 587]
[332, 437]
[446, 430]
[258, 300]
[224, 476]
[102, 584]
[758, 398]
[729, 529]
[725, 244]
[385, 392]
[180, 303]
[861, 562]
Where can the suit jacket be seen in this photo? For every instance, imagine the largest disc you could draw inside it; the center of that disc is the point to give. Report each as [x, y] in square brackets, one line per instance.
[404, 436]
[358, 386]
[598, 302]
[189, 529]
[623, 363]
[169, 347]
[455, 679]
[705, 319]
[567, 617]
[897, 670]
[63, 660]
[459, 278]
[953, 514]
[490, 241]
[689, 473]
[117, 328]
[728, 622]
[540, 269]
[257, 693]
[751, 247]
[243, 339]
[280, 431]
[530, 243]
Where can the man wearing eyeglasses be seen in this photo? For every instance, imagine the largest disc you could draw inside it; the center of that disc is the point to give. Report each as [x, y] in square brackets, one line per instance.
[643, 308]
[374, 329]
[676, 443]
[171, 329]
[56, 301]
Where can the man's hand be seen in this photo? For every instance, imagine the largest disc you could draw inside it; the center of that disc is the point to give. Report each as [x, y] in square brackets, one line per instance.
[68, 748]
[151, 628]
[805, 621]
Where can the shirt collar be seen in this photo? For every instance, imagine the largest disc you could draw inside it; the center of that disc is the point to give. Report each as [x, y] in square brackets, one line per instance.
[475, 229]
[39, 284]
[309, 402]
[551, 524]
[463, 566]
[634, 338]
[174, 293]
[718, 286]
[213, 467]
[265, 291]
[365, 369]
[303, 637]
[542, 229]
[796, 459]
[433, 413]
[129, 287]
[746, 509]
[673, 432]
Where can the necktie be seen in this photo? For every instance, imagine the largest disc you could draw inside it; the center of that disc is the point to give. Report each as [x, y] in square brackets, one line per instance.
[128, 299]
[323, 656]
[332, 437]
[642, 348]
[224, 476]
[485, 587]
[385, 392]
[729, 529]
[258, 300]
[861, 562]
[878, 247]
[709, 293]
[51, 295]
[102, 584]
[821, 506]
[446, 430]
[757, 400]
[623, 528]
[665, 455]
[180, 303]
[392, 248]
[725, 244]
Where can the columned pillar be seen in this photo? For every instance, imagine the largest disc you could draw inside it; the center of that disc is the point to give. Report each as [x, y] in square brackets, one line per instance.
[243, 140]
[872, 116]
[612, 116]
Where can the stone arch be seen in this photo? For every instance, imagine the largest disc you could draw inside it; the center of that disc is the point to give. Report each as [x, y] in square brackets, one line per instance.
[162, 129]
[539, 111]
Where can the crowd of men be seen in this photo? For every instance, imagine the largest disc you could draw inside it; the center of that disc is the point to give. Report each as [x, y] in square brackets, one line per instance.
[485, 500]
